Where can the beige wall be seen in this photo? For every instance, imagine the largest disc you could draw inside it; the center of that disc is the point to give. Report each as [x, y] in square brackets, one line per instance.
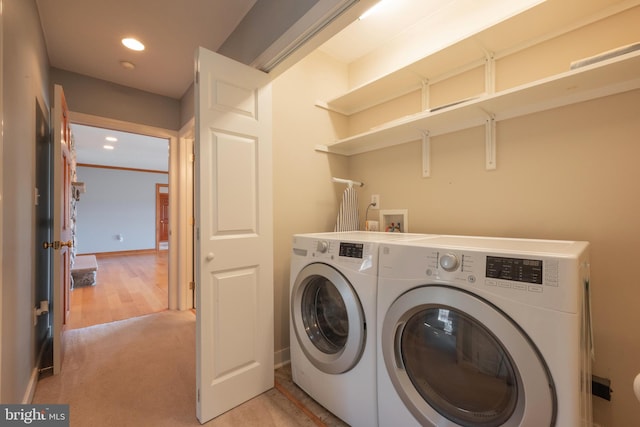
[305, 199]
[566, 173]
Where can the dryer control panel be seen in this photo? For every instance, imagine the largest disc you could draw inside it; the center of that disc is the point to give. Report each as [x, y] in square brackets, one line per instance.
[515, 269]
[359, 256]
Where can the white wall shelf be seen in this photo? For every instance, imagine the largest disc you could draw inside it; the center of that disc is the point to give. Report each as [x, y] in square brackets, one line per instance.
[544, 21]
[608, 77]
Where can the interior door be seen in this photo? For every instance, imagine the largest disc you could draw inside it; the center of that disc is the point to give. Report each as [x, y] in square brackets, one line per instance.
[61, 244]
[162, 214]
[164, 217]
[234, 232]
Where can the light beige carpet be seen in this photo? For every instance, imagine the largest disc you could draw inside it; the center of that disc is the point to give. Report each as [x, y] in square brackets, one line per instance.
[141, 372]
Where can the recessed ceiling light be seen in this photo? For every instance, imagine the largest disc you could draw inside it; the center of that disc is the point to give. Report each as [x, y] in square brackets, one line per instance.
[111, 138]
[108, 147]
[133, 44]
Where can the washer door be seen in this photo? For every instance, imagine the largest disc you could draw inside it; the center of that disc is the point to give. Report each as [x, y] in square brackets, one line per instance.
[457, 360]
[327, 318]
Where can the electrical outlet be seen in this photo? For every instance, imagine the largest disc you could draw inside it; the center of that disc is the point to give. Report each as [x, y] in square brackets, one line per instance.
[375, 201]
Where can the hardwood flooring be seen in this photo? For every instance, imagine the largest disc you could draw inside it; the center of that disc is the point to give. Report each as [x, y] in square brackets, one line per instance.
[126, 286]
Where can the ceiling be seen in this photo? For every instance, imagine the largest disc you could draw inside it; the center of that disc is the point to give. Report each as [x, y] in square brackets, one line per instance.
[83, 36]
[130, 150]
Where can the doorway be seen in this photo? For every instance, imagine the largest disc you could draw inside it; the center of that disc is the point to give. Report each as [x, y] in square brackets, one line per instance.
[121, 172]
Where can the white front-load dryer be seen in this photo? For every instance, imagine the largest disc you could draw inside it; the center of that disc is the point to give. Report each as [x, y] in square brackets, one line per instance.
[333, 318]
[484, 332]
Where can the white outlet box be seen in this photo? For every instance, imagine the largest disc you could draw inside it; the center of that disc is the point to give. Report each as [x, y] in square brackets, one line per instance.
[375, 200]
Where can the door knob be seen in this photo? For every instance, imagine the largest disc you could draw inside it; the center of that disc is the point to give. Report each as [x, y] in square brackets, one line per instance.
[57, 244]
[210, 256]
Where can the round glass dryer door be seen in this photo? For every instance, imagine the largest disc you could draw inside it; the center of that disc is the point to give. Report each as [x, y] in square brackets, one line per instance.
[456, 360]
[328, 318]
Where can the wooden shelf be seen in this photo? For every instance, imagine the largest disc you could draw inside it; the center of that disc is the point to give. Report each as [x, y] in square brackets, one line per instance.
[615, 75]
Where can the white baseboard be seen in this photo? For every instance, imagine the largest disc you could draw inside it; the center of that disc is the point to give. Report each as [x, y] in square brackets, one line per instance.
[31, 387]
[281, 358]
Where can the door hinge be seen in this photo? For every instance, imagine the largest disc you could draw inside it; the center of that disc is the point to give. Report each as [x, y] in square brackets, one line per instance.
[192, 285]
[198, 395]
[197, 77]
[198, 233]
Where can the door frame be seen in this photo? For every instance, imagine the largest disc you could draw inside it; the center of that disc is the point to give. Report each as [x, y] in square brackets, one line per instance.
[177, 289]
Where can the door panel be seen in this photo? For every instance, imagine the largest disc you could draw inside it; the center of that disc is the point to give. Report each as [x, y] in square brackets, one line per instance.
[234, 247]
[61, 222]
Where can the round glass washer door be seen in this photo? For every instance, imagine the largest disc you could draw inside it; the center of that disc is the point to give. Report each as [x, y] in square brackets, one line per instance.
[327, 318]
[456, 360]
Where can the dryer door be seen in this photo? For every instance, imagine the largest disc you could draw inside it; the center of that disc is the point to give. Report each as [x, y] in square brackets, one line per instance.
[327, 318]
[457, 360]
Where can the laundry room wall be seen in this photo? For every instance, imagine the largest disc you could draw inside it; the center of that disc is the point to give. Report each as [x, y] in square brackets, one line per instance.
[566, 173]
[305, 199]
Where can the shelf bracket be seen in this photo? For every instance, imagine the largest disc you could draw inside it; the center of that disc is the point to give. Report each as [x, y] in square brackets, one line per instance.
[490, 73]
[426, 154]
[425, 95]
[490, 142]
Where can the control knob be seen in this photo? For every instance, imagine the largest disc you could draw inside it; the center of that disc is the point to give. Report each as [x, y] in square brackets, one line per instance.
[449, 262]
[322, 246]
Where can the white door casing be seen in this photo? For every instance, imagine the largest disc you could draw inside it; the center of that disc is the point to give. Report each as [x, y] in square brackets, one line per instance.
[234, 232]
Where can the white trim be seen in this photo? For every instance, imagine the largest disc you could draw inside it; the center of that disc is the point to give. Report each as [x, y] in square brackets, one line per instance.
[185, 217]
[31, 386]
[281, 358]
[115, 124]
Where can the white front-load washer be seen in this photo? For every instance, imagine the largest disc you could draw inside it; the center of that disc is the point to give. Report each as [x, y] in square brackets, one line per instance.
[484, 332]
[333, 318]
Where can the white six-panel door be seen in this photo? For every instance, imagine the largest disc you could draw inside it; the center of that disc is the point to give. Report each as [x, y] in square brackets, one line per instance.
[234, 232]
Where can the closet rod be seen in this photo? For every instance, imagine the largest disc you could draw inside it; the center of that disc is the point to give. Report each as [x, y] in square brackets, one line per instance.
[349, 182]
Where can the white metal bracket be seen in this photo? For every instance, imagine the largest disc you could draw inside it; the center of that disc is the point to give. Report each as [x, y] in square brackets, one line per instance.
[425, 95]
[490, 73]
[426, 154]
[490, 142]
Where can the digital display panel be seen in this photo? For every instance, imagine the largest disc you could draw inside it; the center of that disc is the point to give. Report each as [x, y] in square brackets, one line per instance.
[516, 269]
[351, 250]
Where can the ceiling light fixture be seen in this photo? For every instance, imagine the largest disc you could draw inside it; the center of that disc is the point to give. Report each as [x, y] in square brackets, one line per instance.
[128, 65]
[111, 138]
[133, 44]
[108, 147]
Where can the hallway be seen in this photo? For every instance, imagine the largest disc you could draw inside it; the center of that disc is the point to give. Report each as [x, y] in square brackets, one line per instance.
[127, 285]
[141, 372]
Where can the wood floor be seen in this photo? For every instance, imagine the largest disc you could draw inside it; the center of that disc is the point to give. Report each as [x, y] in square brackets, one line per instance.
[127, 286]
